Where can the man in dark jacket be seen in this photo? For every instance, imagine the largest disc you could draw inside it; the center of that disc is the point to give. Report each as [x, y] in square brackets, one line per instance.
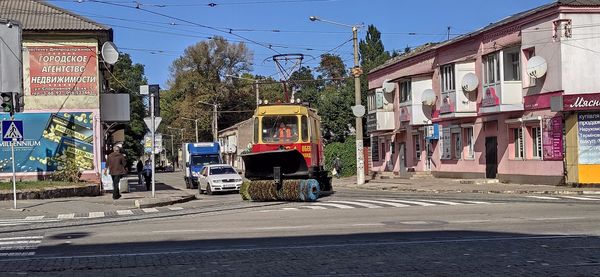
[116, 164]
[140, 169]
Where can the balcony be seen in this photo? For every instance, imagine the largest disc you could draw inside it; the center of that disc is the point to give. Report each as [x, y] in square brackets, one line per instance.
[380, 121]
[502, 97]
[457, 102]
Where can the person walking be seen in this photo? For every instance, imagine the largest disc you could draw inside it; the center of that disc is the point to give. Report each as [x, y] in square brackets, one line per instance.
[116, 164]
[140, 169]
[337, 166]
[148, 174]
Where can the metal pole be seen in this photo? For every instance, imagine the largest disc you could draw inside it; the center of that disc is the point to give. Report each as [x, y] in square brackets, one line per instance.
[153, 142]
[14, 175]
[215, 126]
[196, 123]
[257, 94]
[360, 165]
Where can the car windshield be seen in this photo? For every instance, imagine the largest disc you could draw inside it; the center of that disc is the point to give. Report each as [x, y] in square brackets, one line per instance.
[279, 129]
[222, 170]
[205, 159]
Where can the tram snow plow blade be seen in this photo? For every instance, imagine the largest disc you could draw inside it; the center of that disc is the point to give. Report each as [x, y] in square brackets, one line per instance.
[260, 165]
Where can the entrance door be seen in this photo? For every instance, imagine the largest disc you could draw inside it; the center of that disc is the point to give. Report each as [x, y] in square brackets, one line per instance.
[402, 157]
[491, 157]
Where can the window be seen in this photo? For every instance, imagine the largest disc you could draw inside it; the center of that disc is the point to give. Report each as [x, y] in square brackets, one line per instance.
[519, 143]
[536, 135]
[218, 170]
[205, 159]
[304, 127]
[393, 148]
[529, 81]
[279, 129]
[374, 149]
[383, 150]
[491, 69]
[405, 91]
[256, 130]
[447, 77]
[417, 143]
[457, 146]
[469, 142]
[512, 67]
[371, 101]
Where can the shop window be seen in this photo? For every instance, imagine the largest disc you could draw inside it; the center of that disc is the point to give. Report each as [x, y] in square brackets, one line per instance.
[405, 91]
[417, 144]
[457, 146]
[469, 142]
[374, 149]
[512, 67]
[382, 151]
[518, 143]
[536, 135]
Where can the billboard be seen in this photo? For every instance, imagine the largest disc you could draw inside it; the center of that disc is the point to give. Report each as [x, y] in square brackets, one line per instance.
[589, 138]
[49, 137]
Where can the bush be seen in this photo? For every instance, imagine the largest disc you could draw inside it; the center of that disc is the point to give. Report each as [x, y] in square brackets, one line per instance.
[67, 170]
[346, 151]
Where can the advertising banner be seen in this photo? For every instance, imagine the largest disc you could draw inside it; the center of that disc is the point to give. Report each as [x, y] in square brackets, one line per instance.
[581, 102]
[157, 143]
[589, 138]
[48, 138]
[552, 139]
[62, 70]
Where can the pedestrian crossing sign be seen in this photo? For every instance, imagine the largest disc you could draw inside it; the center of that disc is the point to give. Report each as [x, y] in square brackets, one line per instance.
[12, 130]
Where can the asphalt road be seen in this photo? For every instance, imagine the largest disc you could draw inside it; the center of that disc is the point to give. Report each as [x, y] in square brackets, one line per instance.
[352, 233]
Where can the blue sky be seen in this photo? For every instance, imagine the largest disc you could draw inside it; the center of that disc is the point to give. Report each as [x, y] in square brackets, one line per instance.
[154, 41]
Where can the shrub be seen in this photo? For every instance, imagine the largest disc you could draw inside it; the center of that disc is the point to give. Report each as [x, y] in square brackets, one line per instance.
[67, 170]
[346, 151]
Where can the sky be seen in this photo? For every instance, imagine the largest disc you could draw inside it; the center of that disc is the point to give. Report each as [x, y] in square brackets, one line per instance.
[157, 33]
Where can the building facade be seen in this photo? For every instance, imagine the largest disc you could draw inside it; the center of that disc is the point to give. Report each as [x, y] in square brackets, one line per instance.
[234, 141]
[62, 81]
[514, 101]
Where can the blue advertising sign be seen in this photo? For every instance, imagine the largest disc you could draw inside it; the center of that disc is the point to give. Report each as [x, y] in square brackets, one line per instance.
[589, 138]
[50, 138]
[12, 130]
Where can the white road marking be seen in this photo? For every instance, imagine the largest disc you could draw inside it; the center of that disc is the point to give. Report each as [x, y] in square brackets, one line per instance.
[22, 238]
[125, 212]
[315, 207]
[581, 198]
[370, 206]
[19, 246]
[410, 202]
[34, 217]
[66, 216]
[17, 254]
[150, 210]
[180, 231]
[96, 214]
[19, 242]
[289, 209]
[477, 202]
[175, 208]
[543, 197]
[442, 202]
[397, 205]
[340, 206]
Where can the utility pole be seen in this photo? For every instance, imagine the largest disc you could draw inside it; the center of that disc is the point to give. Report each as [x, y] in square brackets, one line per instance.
[195, 124]
[257, 93]
[215, 127]
[152, 131]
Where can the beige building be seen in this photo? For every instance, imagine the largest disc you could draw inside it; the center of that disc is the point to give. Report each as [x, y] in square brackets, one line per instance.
[234, 141]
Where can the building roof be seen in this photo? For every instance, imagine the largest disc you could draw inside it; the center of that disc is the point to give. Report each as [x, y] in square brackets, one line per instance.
[38, 15]
[507, 20]
[235, 126]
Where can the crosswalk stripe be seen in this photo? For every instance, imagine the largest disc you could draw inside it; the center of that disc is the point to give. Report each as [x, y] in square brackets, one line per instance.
[96, 214]
[314, 207]
[397, 205]
[370, 206]
[150, 210]
[581, 198]
[340, 206]
[442, 202]
[124, 212]
[476, 202]
[22, 238]
[34, 217]
[66, 216]
[418, 203]
[289, 209]
[542, 197]
[19, 242]
[175, 208]
[17, 254]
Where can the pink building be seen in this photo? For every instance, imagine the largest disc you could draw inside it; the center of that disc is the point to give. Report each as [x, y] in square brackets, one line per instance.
[479, 105]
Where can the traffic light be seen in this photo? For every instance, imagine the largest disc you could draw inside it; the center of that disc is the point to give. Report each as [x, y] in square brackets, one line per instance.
[154, 90]
[19, 104]
[8, 104]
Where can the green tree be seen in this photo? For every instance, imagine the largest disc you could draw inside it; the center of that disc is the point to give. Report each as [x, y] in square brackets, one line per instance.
[127, 77]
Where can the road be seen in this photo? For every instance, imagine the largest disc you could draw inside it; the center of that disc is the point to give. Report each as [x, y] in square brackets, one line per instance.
[352, 233]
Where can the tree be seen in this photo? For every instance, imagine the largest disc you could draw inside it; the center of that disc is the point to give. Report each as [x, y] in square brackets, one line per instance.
[127, 77]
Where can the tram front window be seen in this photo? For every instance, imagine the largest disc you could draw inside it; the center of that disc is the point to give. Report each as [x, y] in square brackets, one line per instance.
[277, 129]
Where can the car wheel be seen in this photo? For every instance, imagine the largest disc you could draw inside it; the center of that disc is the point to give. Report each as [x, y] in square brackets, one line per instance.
[209, 190]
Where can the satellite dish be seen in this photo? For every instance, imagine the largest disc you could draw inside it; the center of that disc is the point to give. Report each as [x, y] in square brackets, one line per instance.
[358, 111]
[110, 54]
[388, 86]
[536, 67]
[470, 82]
[428, 97]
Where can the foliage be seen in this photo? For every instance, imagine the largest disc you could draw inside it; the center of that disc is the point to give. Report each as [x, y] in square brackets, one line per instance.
[67, 169]
[127, 78]
[346, 151]
[34, 185]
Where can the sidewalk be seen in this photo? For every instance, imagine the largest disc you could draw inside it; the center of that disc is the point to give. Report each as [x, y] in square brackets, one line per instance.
[81, 207]
[445, 185]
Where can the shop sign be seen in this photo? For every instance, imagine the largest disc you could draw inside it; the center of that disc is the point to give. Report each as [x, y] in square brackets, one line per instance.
[581, 102]
[63, 70]
[539, 101]
[589, 138]
[553, 139]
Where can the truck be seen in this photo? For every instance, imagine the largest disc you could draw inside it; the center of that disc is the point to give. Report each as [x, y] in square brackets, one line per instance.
[197, 155]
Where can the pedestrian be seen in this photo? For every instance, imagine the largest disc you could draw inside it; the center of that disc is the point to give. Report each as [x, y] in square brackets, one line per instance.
[140, 169]
[116, 164]
[337, 166]
[148, 174]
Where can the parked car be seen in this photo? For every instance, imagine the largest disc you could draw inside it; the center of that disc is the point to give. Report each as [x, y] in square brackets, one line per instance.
[218, 178]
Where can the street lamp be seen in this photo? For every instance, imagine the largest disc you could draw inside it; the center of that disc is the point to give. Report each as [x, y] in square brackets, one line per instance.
[215, 126]
[177, 129]
[195, 124]
[358, 111]
[249, 79]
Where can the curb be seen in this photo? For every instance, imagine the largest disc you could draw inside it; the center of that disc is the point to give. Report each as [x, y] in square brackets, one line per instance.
[549, 192]
[158, 202]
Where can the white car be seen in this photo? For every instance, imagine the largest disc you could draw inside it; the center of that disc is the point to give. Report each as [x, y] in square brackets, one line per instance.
[217, 178]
